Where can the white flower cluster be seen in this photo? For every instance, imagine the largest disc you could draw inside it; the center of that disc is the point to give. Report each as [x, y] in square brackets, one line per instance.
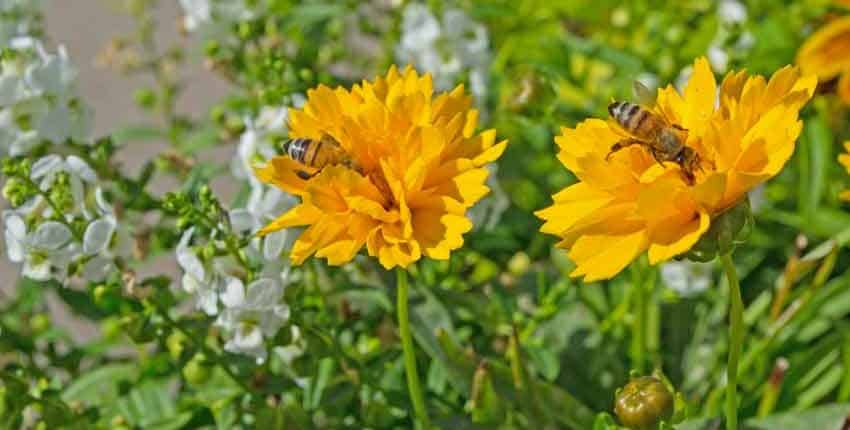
[213, 19]
[38, 101]
[20, 22]
[446, 48]
[250, 311]
[69, 230]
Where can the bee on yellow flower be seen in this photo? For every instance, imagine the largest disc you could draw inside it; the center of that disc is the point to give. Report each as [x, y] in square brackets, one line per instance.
[412, 166]
[628, 202]
[826, 54]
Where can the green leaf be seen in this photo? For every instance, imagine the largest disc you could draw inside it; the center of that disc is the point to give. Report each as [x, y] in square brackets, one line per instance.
[830, 417]
[101, 383]
[461, 365]
[815, 159]
[149, 405]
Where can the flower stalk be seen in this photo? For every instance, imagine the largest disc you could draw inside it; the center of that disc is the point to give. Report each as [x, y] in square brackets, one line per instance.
[414, 387]
[736, 337]
[639, 319]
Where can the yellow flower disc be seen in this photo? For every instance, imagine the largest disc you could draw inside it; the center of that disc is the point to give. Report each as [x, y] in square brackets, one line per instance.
[421, 166]
[629, 203]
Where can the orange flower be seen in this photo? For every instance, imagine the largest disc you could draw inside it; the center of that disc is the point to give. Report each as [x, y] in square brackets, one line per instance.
[421, 166]
[629, 204]
[826, 54]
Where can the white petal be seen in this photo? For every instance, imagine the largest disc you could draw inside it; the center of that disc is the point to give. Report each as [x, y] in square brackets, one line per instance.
[39, 272]
[241, 220]
[79, 167]
[97, 235]
[102, 204]
[51, 235]
[187, 259]
[273, 245]
[97, 269]
[234, 293]
[45, 165]
[55, 125]
[207, 300]
[263, 293]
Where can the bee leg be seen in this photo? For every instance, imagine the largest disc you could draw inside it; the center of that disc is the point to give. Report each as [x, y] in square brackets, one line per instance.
[679, 127]
[657, 156]
[625, 143]
[304, 175]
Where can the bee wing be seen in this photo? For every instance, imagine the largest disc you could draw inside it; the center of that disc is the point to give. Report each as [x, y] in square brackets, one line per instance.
[643, 95]
[647, 99]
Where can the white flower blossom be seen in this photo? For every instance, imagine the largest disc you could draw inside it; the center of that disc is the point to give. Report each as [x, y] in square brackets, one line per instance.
[38, 101]
[686, 277]
[446, 48]
[45, 250]
[212, 19]
[198, 278]
[40, 238]
[252, 315]
[20, 22]
[731, 11]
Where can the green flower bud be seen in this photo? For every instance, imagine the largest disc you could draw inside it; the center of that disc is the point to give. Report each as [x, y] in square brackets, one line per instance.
[39, 323]
[729, 229]
[643, 403]
[218, 115]
[519, 264]
[111, 327]
[145, 98]
[176, 344]
[17, 192]
[139, 327]
[9, 167]
[197, 370]
[101, 294]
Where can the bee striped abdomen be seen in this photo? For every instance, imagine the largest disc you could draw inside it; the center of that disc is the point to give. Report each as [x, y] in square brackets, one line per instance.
[297, 149]
[631, 117]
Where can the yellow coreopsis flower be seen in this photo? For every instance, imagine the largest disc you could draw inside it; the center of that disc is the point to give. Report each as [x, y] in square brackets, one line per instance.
[826, 54]
[629, 203]
[420, 167]
[844, 159]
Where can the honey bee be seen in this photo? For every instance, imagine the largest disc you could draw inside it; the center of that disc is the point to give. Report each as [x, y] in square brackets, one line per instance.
[664, 140]
[318, 154]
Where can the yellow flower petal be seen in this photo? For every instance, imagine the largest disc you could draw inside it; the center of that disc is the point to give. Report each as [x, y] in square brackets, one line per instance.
[700, 96]
[826, 53]
[419, 167]
[677, 239]
[628, 203]
[603, 256]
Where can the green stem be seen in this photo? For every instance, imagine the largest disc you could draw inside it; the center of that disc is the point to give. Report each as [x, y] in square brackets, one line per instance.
[736, 337]
[413, 385]
[639, 320]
